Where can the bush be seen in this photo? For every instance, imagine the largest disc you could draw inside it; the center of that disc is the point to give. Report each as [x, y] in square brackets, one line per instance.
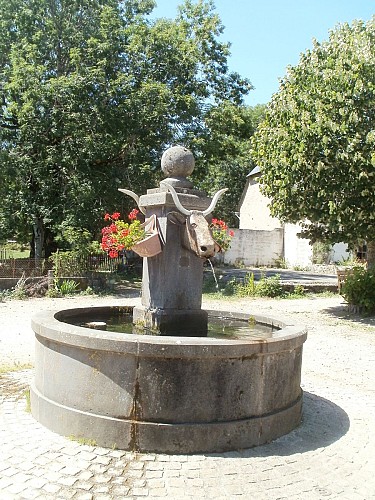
[69, 264]
[269, 286]
[359, 289]
[67, 287]
[61, 288]
[247, 288]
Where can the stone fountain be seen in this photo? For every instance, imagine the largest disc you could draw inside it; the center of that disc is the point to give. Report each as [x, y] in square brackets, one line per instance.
[179, 391]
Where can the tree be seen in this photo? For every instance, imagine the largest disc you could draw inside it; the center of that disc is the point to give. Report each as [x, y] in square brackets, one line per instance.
[315, 146]
[92, 92]
[222, 150]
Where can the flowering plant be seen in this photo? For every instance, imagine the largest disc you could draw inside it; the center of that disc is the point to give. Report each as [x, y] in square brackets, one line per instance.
[121, 235]
[221, 235]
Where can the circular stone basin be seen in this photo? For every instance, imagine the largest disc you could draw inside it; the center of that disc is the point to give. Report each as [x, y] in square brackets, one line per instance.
[165, 394]
[120, 319]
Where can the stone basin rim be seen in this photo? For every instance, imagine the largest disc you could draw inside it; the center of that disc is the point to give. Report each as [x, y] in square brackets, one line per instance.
[47, 325]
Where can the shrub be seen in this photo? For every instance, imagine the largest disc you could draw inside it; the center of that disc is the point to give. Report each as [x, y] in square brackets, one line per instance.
[60, 288]
[70, 263]
[269, 286]
[247, 288]
[359, 289]
[67, 287]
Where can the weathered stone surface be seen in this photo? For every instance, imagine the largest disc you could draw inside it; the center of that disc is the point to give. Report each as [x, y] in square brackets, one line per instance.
[171, 394]
[177, 163]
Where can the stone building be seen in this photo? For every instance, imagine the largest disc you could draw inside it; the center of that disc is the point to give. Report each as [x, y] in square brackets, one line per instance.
[262, 240]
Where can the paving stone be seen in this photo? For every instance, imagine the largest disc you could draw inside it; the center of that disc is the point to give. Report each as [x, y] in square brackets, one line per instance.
[330, 455]
[51, 488]
[84, 485]
[140, 492]
[119, 491]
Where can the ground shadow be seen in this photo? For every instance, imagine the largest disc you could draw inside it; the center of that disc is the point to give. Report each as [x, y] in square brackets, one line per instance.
[323, 423]
[343, 312]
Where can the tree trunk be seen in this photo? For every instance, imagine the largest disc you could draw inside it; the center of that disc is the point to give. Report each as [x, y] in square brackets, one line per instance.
[38, 238]
[371, 253]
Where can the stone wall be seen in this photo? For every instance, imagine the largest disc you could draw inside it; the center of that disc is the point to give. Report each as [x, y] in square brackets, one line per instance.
[254, 247]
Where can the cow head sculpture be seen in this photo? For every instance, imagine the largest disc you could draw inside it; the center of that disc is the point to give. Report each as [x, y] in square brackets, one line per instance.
[198, 235]
[198, 232]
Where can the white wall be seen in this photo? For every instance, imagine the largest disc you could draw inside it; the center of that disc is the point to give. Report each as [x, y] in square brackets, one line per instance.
[254, 211]
[255, 248]
[297, 251]
[339, 252]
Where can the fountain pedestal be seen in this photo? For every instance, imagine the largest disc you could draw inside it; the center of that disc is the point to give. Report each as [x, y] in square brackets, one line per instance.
[172, 280]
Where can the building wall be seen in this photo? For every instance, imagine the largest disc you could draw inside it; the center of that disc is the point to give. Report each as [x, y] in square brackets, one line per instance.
[297, 251]
[255, 247]
[339, 252]
[254, 211]
[261, 239]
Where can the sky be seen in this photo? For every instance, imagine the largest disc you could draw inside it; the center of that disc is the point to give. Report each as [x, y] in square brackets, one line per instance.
[267, 36]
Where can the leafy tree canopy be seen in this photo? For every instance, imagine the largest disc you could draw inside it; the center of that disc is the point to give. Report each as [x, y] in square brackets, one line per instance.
[92, 92]
[223, 152]
[316, 144]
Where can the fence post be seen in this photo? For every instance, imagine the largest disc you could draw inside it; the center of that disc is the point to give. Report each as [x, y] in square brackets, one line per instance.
[50, 279]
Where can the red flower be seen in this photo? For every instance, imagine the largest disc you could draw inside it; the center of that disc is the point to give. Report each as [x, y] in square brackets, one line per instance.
[133, 214]
[113, 254]
[231, 234]
[107, 217]
[116, 216]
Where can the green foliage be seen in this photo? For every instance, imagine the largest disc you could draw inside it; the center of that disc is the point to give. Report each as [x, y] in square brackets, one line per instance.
[358, 289]
[297, 292]
[69, 264]
[62, 287]
[267, 286]
[92, 93]
[223, 150]
[321, 252]
[280, 263]
[68, 287]
[316, 143]
[19, 291]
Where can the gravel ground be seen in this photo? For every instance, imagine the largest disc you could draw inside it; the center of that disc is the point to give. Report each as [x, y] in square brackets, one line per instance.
[330, 455]
[337, 341]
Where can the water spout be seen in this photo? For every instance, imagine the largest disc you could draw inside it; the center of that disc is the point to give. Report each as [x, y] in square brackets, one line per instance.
[214, 275]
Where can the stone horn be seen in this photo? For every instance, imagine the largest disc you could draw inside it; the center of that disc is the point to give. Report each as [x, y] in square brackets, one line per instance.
[184, 211]
[135, 197]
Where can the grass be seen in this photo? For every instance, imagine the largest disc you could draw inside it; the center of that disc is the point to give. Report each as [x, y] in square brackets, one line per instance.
[26, 395]
[15, 367]
[82, 440]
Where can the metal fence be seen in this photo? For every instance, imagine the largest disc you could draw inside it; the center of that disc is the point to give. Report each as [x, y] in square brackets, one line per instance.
[72, 266]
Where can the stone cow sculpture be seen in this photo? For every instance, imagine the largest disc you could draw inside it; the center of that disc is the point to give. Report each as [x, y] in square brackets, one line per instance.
[198, 236]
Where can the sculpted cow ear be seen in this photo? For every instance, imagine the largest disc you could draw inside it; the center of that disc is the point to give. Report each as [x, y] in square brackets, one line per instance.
[177, 218]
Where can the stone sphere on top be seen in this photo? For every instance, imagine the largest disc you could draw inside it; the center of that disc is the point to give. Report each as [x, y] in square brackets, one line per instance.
[177, 161]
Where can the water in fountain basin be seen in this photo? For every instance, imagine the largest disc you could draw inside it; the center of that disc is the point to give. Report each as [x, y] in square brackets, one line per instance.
[218, 327]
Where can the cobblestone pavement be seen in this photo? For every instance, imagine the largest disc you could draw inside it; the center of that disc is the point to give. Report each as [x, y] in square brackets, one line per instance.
[331, 455]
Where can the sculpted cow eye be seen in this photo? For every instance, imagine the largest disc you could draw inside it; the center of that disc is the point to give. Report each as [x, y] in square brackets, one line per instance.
[193, 224]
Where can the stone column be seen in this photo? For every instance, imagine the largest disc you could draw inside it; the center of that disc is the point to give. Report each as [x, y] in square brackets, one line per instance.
[172, 280]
